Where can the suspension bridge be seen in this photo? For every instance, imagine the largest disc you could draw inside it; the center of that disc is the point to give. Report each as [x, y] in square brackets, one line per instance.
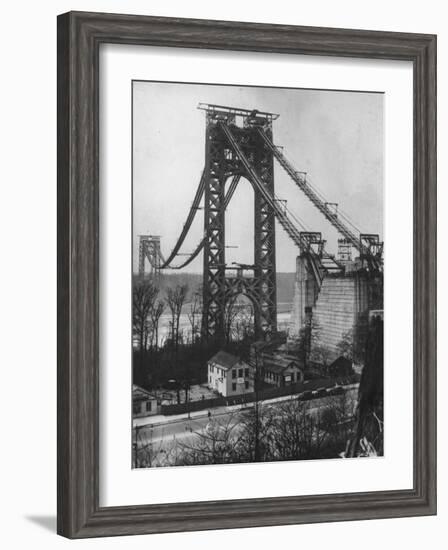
[239, 144]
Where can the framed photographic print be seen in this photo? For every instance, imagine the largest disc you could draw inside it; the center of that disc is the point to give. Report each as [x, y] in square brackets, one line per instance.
[246, 274]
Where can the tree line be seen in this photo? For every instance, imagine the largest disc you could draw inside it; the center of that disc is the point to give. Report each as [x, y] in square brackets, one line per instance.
[179, 360]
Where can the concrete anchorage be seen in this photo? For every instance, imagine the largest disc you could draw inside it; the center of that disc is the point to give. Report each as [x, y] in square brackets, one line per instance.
[337, 306]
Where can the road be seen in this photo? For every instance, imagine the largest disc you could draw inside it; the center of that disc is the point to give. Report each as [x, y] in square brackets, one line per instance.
[160, 437]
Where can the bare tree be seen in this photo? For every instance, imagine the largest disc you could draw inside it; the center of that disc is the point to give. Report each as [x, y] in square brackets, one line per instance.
[155, 314]
[230, 314]
[217, 443]
[307, 340]
[238, 319]
[345, 345]
[195, 314]
[176, 298]
[321, 355]
[244, 324]
[257, 434]
[290, 426]
[148, 453]
[144, 294]
[287, 430]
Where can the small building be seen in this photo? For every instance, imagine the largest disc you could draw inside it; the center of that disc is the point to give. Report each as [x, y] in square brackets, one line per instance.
[282, 371]
[279, 367]
[144, 403]
[341, 367]
[229, 375]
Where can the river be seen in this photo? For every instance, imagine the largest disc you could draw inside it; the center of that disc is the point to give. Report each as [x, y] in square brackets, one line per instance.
[283, 319]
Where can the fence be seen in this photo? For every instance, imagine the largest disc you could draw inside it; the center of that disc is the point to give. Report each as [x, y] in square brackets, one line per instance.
[268, 393]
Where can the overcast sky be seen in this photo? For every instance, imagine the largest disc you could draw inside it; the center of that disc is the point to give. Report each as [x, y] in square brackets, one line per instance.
[335, 136]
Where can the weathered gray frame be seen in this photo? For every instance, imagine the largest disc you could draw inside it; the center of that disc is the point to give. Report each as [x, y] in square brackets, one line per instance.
[79, 38]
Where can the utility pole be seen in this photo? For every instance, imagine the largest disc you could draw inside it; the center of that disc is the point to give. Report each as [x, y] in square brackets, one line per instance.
[257, 411]
[187, 397]
[137, 431]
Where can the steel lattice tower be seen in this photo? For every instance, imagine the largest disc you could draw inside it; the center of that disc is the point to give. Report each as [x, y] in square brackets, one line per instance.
[221, 163]
[149, 249]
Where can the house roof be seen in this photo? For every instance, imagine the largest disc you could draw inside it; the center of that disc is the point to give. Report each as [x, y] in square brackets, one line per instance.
[140, 394]
[224, 360]
[278, 365]
[341, 362]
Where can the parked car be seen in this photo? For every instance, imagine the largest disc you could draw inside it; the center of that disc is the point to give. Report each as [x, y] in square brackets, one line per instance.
[335, 390]
[306, 395]
[320, 392]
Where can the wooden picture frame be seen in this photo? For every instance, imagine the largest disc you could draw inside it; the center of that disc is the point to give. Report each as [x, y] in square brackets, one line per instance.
[79, 38]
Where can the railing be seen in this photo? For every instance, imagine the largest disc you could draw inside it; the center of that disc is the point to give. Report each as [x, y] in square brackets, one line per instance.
[264, 394]
[300, 179]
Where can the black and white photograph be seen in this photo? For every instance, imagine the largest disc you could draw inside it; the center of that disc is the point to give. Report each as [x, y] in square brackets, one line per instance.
[221, 316]
[257, 274]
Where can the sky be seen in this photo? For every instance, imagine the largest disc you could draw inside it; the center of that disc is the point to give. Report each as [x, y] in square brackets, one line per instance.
[337, 137]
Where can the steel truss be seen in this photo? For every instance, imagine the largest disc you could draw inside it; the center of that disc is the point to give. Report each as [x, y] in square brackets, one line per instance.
[222, 163]
[149, 249]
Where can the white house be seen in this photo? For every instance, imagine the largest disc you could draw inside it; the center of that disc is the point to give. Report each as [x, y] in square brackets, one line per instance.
[229, 375]
[144, 403]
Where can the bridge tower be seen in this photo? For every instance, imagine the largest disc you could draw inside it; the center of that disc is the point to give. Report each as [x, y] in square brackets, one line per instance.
[149, 249]
[221, 163]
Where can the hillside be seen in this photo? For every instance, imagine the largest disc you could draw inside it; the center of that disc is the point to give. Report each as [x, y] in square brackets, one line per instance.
[285, 283]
